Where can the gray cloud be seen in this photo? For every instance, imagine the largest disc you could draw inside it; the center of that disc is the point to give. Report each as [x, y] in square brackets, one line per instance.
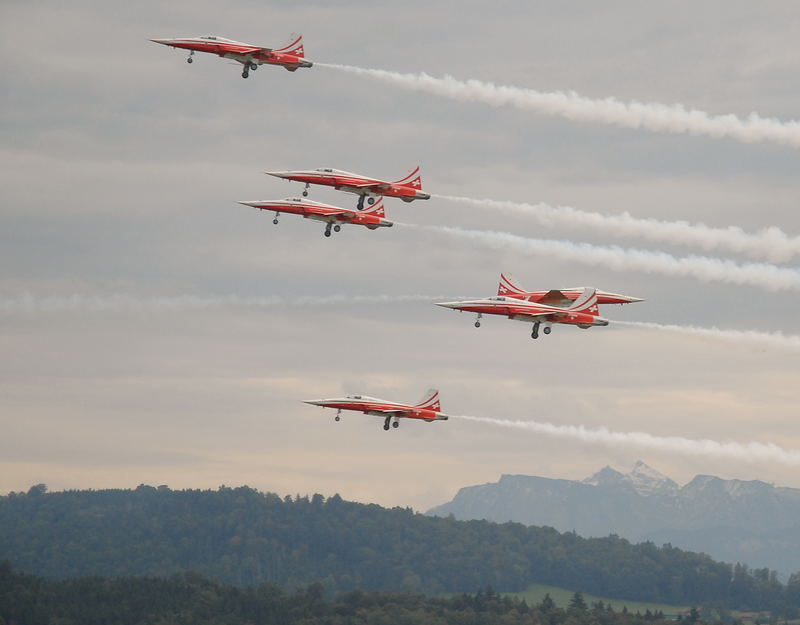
[121, 167]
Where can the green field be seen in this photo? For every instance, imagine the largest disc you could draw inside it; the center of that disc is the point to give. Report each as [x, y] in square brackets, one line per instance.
[561, 596]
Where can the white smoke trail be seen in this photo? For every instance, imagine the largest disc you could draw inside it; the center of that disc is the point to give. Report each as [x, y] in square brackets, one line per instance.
[777, 340]
[748, 452]
[652, 116]
[771, 243]
[760, 275]
[27, 303]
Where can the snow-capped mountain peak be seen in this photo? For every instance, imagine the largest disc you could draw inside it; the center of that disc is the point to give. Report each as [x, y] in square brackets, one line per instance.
[642, 478]
[646, 480]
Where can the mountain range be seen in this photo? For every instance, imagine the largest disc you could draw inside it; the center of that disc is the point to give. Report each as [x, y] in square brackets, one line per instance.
[751, 522]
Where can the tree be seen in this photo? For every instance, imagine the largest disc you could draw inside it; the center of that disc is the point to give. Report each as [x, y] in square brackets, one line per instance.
[577, 603]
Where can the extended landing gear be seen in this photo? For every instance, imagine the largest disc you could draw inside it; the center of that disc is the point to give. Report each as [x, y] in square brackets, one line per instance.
[386, 423]
[191, 53]
[360, 205]
[535, 333]
[338, 416]
[478, 321]
[328, 230]
[275, 221]
[253, 66]
[305, 190]
[245, 73]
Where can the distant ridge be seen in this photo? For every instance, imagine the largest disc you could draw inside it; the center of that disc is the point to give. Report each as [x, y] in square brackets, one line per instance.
[732, 520]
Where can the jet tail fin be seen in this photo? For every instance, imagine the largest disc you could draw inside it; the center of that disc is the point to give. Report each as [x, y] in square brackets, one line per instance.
[586, 302]
[376, 209]
[508, 287]
[430, 401]
[295, 47]
[413, 179]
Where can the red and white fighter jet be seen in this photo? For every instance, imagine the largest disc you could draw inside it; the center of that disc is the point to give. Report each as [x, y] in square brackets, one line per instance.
[290, 56]
[582, 312]
[558, 297]
[407, 189]
[333, 216]
[427, 410]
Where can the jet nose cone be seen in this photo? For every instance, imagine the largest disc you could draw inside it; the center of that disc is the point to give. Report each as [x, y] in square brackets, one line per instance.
[252, 203]
[313, 402]
[277, 174]
[452, 305]
[164, 42]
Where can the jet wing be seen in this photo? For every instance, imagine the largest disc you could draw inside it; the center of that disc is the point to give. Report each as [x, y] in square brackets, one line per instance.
[378, 186]
[328, 211]
[553, 296]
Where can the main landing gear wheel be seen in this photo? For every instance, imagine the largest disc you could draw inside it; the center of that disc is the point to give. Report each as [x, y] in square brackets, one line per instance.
[337, 418]
[275, 221]
[386, 423]
[189, 60]
[191, 53]
[337, 228]
[396, 424]
[305, 191]
[360, 205]
[478, 320]
[535, 333]
[547, 330]
[253, 66]
[328, 230]
[370, 200]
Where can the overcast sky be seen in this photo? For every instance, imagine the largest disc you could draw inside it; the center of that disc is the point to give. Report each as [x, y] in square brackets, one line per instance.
[121, 165]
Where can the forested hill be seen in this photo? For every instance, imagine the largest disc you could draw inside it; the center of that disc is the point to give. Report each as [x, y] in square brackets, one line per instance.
[190, 598]
[243, 537]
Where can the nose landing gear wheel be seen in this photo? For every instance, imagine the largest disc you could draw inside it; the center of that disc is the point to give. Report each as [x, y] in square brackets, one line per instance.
[189, 60]
[337, 418]
[477, 324]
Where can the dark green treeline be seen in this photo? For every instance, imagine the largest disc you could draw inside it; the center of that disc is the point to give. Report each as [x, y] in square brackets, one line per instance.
[242, 537]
